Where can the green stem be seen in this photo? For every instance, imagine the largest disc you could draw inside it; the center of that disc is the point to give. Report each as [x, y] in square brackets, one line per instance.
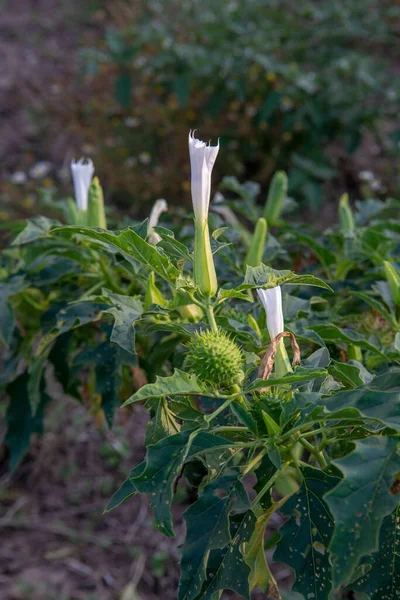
[254, 462]
[114, 286]
[314, 451]
[224, 405]
[210, 316]
[268, 485]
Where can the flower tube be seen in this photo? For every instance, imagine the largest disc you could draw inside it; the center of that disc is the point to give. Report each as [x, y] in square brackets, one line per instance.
[82, 173]
[202, 159]
[272, 302]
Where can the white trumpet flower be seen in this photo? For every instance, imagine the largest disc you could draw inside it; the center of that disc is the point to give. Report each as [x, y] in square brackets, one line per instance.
[82, 174]
[202, 159]
[272, 302]
[160, 206]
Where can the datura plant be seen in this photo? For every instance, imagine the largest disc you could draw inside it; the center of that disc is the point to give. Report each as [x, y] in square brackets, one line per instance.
[267, 390]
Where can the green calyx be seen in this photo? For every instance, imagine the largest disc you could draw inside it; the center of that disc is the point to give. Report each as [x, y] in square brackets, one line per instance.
[346, 217]
[256, 250]
[215, 359]
[95, 215]
[393, 279]
[276, 197]
[204, 269]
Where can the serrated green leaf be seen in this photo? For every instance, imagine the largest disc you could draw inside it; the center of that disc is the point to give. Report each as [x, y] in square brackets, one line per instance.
[161, 425]
[180, 383]
[21, 422]
[38, 227]
[12, 287]
[266, 277]
[130, 243]
[361, 501]
[306, 535]
[347, 374]
[382, 581]
[227, 568]
[207, 526]
[126, 490]
[171, 246]
[163, 464]
[70, 317]
[126, 311]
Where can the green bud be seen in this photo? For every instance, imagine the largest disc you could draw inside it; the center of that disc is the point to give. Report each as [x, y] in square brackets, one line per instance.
[73, 214]
[215, 359]
[153, 294]
[346, 217]
[272, 427]
[276, 196]
[204, 269]
[354, 353]
[256, 250]
[191, 312]
[393, 279]
[96, 216]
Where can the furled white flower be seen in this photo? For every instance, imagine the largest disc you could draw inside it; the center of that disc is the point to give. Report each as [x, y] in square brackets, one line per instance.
[160, 206]
[272, 302]
[202, 159]
[82, 173]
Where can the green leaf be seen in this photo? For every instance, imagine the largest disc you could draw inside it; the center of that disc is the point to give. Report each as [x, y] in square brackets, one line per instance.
[326, 257]
[299, 374]
[130, 243]
[21, 422]
[379, 306]
[171, 246]
[126, 311]
[161, 425]
[331, 333]
[347, 374]
[12, 287]
[126, 490]
[227, 568]
[266, 277]
[260, 574]
[306, 535]
[163, 465]
[382, 581]
[38, 227]
[180, 383]
[207, 526]
[72, 316]
[361, 501]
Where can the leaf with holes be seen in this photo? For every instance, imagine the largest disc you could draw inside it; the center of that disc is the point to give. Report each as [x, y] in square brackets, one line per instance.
[207, 525]
[382, 581]
[361, 501]
[306, 535]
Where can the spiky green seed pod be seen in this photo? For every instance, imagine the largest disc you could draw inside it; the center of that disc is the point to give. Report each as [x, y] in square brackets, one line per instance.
[256, 250]
[346, 217]
[276, 196]
[96, 216]
[215, 359]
